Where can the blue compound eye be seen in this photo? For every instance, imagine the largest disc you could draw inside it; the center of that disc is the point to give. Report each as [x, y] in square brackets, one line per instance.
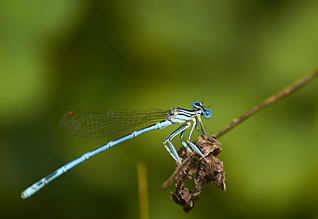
[207, 114]
[196, 105]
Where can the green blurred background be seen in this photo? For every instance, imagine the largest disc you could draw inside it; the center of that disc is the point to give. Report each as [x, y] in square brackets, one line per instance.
[57, 56]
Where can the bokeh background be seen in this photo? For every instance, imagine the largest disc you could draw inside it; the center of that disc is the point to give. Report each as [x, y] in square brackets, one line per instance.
[60, 55]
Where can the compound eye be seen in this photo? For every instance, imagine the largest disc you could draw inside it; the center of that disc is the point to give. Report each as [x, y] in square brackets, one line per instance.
[196, 105]
[207, 114]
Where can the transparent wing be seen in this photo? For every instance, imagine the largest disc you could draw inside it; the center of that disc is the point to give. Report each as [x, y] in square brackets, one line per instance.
[101, 126]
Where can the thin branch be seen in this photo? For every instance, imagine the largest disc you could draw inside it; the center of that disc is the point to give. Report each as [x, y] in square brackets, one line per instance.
[185, 163]
[287, 91]
[213, 171]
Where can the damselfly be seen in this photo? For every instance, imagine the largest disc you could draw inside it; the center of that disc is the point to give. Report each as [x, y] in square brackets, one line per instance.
[105, 125]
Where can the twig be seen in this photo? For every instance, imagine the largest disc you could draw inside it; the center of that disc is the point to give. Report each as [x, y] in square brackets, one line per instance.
[167, 183]
[213, 171]
[287, 91]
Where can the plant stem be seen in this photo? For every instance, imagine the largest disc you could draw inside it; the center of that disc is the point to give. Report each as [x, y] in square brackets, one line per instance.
[285, 92]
